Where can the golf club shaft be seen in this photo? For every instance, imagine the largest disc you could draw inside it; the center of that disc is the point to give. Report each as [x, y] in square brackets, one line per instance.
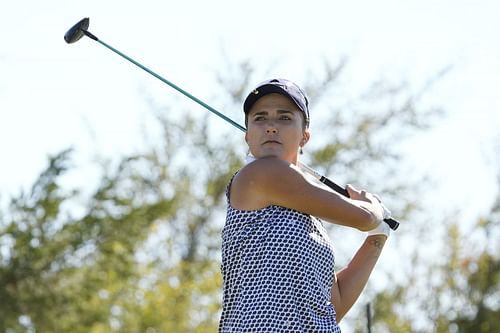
[393, 224]
[182, 91]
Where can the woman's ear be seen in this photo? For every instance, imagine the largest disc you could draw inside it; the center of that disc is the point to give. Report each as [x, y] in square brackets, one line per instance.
[305, 137]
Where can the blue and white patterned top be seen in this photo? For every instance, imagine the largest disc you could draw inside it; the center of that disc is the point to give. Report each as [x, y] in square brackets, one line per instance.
[277, 267]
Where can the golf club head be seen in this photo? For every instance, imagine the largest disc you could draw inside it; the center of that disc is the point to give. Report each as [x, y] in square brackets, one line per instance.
[77, 31]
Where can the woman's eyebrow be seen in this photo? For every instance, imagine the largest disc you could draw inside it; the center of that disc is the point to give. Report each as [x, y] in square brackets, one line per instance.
[280, 111]
[260, 113]
[266, 113]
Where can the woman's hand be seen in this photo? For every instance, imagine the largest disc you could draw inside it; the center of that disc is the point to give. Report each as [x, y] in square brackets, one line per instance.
[374, 204]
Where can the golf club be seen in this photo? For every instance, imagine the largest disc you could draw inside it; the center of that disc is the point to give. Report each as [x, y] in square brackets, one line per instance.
[80, 29]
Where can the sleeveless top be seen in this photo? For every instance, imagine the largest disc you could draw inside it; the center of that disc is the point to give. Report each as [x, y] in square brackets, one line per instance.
[277, 268]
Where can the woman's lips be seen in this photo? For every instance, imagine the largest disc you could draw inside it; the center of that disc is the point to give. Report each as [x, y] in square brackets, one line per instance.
[271, 141]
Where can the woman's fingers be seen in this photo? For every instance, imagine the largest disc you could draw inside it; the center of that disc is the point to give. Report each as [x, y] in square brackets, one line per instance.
[356, 194]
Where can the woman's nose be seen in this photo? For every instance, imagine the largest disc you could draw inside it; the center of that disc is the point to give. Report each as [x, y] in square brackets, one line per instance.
[271, 127]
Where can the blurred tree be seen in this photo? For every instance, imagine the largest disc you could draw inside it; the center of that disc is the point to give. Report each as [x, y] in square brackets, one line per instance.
[460, 293]
[61, 272]
[65, 272]
[141, 254]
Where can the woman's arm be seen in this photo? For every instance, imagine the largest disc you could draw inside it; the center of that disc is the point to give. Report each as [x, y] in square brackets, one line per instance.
[271, 181]
[351, 280]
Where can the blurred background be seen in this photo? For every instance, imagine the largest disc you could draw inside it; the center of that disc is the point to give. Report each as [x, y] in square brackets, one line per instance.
[112, 184]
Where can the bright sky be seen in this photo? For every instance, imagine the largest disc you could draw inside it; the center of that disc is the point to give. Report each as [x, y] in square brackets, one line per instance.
[54, 95]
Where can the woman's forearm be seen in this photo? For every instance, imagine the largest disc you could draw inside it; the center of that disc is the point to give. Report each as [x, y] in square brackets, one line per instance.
[352, 279]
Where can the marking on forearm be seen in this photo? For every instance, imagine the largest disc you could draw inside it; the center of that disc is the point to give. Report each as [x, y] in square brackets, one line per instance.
[377, 242]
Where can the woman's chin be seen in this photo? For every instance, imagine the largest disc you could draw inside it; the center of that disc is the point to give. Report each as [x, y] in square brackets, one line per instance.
[276, 155]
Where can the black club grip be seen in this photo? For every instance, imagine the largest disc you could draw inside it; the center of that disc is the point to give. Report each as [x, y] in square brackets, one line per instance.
[393, 224]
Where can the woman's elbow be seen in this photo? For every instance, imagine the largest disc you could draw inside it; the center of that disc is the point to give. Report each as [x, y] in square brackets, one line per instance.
[339, 312]
[366, 220]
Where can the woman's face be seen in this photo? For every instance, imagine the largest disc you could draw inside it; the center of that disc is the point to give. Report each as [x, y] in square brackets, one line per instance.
[275, 128]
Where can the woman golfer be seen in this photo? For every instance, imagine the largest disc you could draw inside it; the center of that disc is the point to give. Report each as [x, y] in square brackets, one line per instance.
[277, 260]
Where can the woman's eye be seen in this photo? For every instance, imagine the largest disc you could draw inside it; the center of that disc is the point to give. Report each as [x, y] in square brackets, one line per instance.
[258, 118]
[285, 118]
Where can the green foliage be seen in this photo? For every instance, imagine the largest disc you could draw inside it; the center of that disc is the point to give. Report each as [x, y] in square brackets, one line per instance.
[58, 265]
[68, 272]
[460, 293]
[141, 252]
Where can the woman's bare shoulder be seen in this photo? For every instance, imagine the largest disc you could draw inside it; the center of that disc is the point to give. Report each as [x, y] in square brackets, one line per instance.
[256, 184]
